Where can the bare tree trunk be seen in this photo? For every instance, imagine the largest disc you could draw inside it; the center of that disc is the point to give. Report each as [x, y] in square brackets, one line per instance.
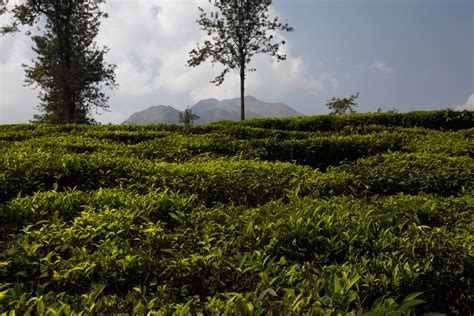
[69, 105]
[242, 94]
[242, 61]
[65, 57]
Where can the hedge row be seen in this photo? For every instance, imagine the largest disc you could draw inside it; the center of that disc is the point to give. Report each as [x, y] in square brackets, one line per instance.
[414, 173]
[216, 180]
[442, 120]
[319, 152]
[358, 123]
[122, 252]
[236, 181]
[316, 150]
[458, 143]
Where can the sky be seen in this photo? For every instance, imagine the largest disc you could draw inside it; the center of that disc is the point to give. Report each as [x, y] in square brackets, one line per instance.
[398, 54]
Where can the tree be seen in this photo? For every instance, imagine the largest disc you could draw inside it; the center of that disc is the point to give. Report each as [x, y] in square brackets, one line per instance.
[343, 106]
[69, 69]
[239, 31]
[391, 110]
[187, 117]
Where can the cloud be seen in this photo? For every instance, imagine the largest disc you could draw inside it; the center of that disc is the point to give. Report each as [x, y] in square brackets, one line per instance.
[149, 41]
[153, 48]
[469, 105]
[382, 67]
[17, 103]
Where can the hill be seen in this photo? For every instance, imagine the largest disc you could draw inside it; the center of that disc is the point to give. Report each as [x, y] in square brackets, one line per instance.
[211, 110]
[154, 115]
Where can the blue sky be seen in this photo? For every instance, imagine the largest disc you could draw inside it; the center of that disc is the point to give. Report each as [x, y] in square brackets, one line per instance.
[408, 55]
[429, 45]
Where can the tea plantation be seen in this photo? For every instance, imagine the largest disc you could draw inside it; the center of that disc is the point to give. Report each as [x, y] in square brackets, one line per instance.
[325, 215]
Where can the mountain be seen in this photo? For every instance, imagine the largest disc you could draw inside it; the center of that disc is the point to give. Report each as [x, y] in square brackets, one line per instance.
[154, 115]
[210, 110]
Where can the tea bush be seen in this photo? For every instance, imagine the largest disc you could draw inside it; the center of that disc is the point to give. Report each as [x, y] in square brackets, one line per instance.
[341, 253]
[442, 120]
[414, 173]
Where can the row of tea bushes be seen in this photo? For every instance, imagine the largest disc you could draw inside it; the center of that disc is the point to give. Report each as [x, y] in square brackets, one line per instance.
[414, 173]
[116, 135]
[356, 123]
[245, 182]
[123, 252]
[121, 133]
[219, 180]
[67, 205]
[459, 143]
[441, 120]
[320, 151]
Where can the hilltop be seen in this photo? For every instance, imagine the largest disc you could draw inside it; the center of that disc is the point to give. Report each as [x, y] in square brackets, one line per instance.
[211, 110]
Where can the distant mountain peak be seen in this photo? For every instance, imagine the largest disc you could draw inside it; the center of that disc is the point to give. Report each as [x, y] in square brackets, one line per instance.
[161, 106]
[210, 110]
[210, 100]
[154, 115]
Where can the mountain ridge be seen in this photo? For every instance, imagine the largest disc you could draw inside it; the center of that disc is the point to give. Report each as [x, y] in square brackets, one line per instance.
[211, 110]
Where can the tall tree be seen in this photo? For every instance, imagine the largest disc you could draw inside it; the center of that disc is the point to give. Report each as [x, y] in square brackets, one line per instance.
[187, 117]
[239, 29]
[343, 106]
[69, 68]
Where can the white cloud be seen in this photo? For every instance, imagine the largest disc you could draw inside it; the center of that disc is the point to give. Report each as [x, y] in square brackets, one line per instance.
[159, 43]
[469, 105]
[149, 41]
[382, 67]
[17, 102]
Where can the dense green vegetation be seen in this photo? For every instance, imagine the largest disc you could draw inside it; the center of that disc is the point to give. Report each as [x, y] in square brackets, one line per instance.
[363, 213]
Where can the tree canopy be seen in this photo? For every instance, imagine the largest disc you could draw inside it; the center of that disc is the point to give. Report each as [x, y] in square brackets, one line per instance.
[187, 117]
[343, 106]
[69, 68]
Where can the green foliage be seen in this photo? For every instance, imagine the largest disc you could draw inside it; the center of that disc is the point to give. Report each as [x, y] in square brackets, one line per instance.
[69, 69]
[187, 117]
[343, 106]
[350, 216]
[440, 120]
[415, 172]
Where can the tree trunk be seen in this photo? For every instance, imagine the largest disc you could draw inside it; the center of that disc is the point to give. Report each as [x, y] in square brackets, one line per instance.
[242, 92]
[69, 105]
[65, 59]
[68, 97]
